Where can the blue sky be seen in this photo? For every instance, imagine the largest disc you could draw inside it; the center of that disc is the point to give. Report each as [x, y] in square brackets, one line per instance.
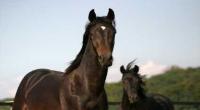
[48, 34]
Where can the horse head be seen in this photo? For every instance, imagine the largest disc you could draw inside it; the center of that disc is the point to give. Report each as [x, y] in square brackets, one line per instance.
[132, 82]
[101, 32]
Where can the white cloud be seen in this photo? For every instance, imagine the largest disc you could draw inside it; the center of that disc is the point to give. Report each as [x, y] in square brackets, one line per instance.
[11, 92]
[9, 87]
[151, 68]
[19, 78]
[113, 75]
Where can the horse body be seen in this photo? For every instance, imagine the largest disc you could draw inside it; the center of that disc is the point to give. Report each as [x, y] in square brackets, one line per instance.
[165, 102]
[81, 86]
[42, 81]
[151, 102]
[134, 97]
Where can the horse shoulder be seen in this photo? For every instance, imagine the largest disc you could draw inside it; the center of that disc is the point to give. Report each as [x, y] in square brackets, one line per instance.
[44, 87]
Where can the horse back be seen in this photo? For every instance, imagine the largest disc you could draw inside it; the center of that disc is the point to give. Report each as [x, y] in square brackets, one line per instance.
[163, 101]
[153, 102]
[38, 90]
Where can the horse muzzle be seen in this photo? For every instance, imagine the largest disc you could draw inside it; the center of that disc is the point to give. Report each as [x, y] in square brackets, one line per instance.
[133, 98]
[105, 60]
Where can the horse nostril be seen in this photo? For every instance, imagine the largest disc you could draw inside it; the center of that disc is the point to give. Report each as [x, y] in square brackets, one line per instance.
[136, 98]
[110, 58]
[105, 60]
[100, 58]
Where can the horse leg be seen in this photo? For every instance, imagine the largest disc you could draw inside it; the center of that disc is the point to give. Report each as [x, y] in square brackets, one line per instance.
[103, 102]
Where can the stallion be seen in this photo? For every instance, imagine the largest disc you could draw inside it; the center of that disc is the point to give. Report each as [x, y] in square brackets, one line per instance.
[134, 97]
[81, 86]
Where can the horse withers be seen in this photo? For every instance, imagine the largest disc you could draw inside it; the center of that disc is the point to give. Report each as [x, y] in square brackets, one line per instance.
[81, 86]
[134, 97]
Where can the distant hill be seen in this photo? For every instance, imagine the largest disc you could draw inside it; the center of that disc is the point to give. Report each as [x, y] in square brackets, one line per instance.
[5, 107]
[177, 83]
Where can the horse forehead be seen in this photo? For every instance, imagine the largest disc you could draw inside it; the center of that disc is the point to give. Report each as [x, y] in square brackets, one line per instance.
[128, 76]
[103, 27]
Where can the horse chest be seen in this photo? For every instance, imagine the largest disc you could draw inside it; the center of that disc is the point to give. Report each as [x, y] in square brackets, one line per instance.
[78, 85]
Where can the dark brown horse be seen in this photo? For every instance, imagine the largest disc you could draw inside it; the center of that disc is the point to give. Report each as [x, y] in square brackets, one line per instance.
[134, 97]
[81, 86]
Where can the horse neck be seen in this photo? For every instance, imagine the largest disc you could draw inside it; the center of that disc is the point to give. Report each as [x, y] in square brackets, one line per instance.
[125, 104]
[90, 68]
[141, 93]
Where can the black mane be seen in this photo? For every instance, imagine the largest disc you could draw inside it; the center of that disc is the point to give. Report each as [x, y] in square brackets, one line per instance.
[76, 62]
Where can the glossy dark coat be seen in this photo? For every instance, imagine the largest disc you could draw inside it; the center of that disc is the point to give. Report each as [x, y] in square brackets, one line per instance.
[134, 97]
[81, 86]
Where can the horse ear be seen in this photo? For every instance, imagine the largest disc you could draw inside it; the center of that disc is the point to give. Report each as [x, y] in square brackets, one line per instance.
[136, 69]
[111, 14]
[122, 69]
[92, 15]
